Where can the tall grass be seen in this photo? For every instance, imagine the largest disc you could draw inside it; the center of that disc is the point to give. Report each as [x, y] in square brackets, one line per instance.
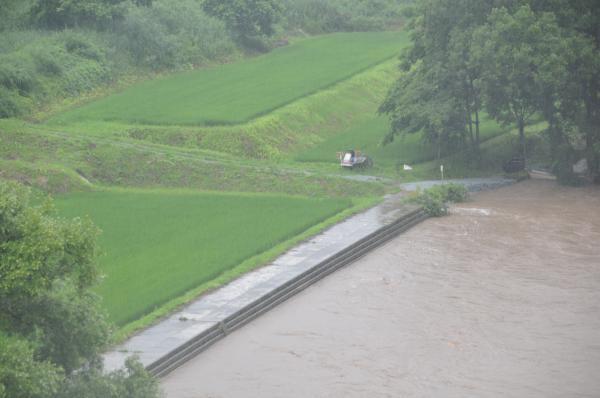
[160, 244]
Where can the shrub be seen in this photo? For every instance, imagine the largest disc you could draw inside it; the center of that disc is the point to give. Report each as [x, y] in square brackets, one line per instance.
[320, 16]
[435, 199]
[81, 46]
[173, 34]
[9, 104]
[48, 63]
[16, 74]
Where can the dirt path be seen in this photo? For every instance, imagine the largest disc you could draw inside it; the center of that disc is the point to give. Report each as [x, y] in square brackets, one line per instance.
[499, 299]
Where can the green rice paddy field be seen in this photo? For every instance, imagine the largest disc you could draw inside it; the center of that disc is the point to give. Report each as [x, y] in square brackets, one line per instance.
[160, 244]
[235, 93]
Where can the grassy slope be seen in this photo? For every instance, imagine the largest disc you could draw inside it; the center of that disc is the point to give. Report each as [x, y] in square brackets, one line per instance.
[161, 244]
[238, 92]
[58, 162]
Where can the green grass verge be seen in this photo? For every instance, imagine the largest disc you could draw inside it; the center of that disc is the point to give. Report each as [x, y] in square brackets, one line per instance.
[236, 93]
[161, 244]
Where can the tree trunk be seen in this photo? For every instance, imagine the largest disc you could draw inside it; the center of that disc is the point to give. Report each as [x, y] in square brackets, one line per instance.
[476, 110]
[521, 124]
[592, 127]
[477, 139]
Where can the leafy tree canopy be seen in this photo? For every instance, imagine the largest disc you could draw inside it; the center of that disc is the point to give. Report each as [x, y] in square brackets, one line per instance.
[68, 13]
[246, 18]
[51, 323]
[514, 59]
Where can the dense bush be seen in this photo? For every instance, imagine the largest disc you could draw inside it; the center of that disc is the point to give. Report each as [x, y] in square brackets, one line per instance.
[46, 66]
[322, 16]
[435, 199]
[173, 34]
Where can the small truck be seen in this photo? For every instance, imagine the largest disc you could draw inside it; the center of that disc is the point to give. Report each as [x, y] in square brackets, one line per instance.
[352, 158]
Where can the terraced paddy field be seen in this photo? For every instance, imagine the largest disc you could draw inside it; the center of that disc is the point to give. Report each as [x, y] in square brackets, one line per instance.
[235, 93]
[160, 244]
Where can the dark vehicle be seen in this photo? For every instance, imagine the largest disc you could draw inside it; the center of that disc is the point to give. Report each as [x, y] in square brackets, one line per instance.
[352, 159]
[514, 165]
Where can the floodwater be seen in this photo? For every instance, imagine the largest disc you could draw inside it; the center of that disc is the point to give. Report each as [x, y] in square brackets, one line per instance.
[499, 299]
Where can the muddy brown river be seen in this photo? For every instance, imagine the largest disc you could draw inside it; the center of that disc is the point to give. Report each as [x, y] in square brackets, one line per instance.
[499, 299]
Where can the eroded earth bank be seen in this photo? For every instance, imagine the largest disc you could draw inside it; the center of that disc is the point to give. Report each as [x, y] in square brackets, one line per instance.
[499, 299]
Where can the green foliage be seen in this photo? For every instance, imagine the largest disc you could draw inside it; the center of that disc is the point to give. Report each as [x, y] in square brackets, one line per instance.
[515, 59]
[21, 375]
[31, 265]
[57, 14]
[47, 67]
[246, 18]
[416, 105]
[11, 103]
[78, 44]
[323, 16]
[237, 92]
[435, 199]
[513, 50]
[13, 13]
[18, 75]
[172, 34]
[131, 382]
[68, 324]
[438, 94]
[47, 266]
[161, 244]
[51, 324]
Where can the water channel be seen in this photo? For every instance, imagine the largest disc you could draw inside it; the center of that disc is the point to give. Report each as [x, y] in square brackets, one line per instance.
[499, 299]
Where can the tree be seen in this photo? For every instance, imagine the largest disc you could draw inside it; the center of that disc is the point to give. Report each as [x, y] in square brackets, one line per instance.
[246, 18]
[12, 13]
[416, 104]
[21, 375]
[441, 32]
[517, 53]
[572, 107]
[58, 14]
[51, 323]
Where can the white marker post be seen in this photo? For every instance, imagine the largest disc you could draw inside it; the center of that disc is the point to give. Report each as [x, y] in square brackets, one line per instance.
[442, 171]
